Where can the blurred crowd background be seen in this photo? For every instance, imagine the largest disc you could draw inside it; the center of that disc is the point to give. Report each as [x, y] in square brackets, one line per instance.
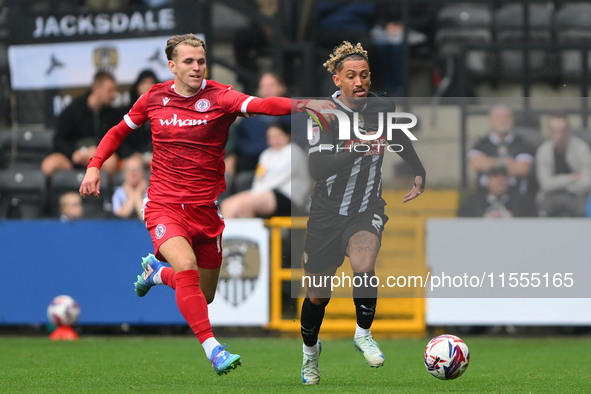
[499, 87]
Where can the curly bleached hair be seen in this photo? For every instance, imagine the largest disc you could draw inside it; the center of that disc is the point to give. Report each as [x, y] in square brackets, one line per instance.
[344, 51]
[174, 41]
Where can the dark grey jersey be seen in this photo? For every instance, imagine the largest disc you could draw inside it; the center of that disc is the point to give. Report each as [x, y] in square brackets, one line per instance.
[348, 173]
[355, 185]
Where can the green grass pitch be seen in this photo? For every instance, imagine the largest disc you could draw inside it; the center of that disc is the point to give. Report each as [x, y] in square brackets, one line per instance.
[178, 365]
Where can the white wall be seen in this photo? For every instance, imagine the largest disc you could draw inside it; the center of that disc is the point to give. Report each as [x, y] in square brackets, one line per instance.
[479, 247]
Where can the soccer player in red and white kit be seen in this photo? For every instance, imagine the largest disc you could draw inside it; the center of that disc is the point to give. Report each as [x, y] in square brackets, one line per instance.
[189, 117]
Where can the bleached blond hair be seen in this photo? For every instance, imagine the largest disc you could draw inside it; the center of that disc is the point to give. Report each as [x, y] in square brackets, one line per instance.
[343, 52]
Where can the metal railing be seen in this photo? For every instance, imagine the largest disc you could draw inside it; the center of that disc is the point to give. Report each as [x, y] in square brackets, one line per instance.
[413, 307]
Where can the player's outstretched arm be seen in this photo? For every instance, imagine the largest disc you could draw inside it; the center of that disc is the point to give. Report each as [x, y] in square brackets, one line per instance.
[316, 107]
[233, 101]
[410, 156]
[91, 184]
[416, 190]
[109, 143]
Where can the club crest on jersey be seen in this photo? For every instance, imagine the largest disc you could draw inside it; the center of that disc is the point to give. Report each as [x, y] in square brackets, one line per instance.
[202, 105]
[160, 230]
[361, 122]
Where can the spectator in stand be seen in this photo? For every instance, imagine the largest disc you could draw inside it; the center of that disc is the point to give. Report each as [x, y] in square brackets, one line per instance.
[128, 199]
[563, 170]
[81, 126]
[502, 146]
[140, 142]
[281, 180]
[249, 41]
[71, 207]
[497, 200]
[247, 138]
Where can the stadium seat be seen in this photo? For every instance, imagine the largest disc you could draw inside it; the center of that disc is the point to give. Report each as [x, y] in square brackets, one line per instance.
[510, 16]
[69, 180]
[450, 42]
[33, 143]
[509, 29]
[465, 24]
[22, 194]
[226, 21]
[3, 57]
[465, 15]
[573, 27]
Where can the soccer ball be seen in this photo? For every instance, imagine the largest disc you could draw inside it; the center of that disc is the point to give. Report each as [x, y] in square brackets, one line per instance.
[446, 357]
[63, 311]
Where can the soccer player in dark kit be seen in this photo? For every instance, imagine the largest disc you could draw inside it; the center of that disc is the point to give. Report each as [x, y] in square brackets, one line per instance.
[189, 118]
[347, 211]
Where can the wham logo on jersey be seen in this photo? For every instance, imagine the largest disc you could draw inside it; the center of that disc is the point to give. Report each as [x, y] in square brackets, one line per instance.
[202, 105]
[378, 147]
[174, 121]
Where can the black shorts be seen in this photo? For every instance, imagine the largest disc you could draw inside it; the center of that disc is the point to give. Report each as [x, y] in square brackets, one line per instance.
[328, 234]
[283, 204]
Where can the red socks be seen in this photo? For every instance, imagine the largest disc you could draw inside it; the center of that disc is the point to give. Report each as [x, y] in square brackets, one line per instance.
[191, 302]
[168, 278]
